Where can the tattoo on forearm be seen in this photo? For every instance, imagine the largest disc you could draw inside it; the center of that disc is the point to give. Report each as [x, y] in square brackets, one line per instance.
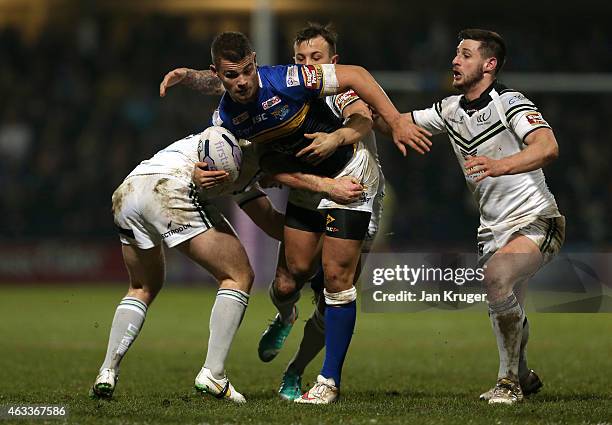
[203, 81]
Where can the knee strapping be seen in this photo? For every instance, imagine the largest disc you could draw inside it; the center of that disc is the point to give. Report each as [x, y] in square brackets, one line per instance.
[340, 298]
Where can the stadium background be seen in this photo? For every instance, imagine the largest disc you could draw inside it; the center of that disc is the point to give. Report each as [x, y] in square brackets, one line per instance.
[79, 109]
[79, 83]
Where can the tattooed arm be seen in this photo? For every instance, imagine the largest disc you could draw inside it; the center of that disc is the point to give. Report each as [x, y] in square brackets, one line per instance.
[203, 81]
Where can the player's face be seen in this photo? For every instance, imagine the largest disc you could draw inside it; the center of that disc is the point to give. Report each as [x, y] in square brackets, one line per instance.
[314, 51]
[239, 78]
[468, 65]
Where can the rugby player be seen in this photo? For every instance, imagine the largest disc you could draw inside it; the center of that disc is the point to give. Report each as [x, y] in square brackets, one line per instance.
[157, 202]
[313, 44]
[502, 142]
[316, 44]
[277, 106]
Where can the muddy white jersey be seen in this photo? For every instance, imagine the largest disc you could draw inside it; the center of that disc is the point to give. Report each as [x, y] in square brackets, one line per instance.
[177, 160]
[494, 125]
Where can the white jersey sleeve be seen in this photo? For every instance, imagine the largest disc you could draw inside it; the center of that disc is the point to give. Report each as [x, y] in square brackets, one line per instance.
[330, 81]
[522, 115]
[430, 119]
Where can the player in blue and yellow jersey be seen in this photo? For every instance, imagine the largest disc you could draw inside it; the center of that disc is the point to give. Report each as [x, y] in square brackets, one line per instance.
[276, 106]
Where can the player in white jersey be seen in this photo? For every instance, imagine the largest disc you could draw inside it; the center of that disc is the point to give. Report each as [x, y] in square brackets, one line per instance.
[502, 142]
[158, 202]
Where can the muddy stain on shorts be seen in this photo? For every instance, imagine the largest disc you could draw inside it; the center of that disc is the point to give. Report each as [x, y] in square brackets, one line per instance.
[118, 196]
[168, 195]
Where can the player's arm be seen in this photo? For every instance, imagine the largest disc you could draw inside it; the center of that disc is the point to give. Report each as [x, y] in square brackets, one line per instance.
[265, 216]
[343, 190]
[206, 82]
[382, 126]
[430, 119]
[357, 125]
[366, 87]
[283, 170]
[542, 149]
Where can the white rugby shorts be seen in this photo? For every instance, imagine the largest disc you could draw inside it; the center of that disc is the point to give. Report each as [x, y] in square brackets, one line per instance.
[149, 209]
[363, 167]
[548, 233]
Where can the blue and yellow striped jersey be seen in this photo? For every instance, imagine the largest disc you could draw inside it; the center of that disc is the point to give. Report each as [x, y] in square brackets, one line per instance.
[289, 104]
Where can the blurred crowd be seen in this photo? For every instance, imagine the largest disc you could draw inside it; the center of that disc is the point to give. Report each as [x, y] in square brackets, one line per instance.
[80, 109]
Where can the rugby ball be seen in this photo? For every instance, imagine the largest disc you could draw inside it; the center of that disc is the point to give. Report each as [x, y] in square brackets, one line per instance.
[220, 150]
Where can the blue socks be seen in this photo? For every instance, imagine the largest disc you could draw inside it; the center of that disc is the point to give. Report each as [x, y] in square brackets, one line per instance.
[339, 327]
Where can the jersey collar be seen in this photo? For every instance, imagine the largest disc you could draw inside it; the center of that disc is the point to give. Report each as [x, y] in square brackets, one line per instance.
[483, 100]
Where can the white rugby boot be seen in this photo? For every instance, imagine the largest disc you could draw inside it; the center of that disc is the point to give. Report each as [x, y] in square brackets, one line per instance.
[323, 392]
[205, 382]
[506, 391]
[531, 384]
[104, 385]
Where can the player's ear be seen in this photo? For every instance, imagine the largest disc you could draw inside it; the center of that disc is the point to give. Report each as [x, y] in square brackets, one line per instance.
[335, 58]
[490, 65]
[213, 69]
[255, 58]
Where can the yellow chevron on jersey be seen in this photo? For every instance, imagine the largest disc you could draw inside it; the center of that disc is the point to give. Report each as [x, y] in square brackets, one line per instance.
[283, 129]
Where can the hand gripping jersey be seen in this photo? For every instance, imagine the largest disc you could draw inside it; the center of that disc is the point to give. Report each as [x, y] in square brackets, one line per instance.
[289, 104]
[494, 125]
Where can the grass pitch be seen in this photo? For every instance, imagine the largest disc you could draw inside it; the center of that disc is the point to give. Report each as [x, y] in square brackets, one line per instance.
[423, 368]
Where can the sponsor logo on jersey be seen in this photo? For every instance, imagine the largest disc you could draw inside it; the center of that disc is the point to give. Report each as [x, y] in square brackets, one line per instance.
[515, 99]
[281, 112]
[292, 79]
[341, 100]
[483, 118]
[270, 102]
[179, 229]
[259, 118]
[535, 118]
[240, 118]
[473, 176]
[312, 76]
[455, 120]
[365, 198]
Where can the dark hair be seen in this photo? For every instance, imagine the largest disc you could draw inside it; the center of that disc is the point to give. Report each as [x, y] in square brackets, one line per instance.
[491, 44]
[314, 30]
[231, 46]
